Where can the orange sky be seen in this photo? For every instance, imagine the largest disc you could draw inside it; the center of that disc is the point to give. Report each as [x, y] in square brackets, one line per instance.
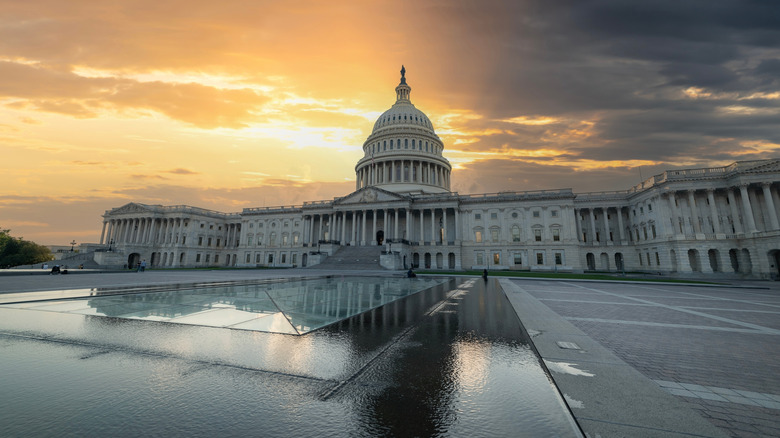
[227, 105]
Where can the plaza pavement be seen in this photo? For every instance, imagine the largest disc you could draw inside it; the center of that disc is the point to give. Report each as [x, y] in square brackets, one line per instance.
[655, 360]
[631, 359]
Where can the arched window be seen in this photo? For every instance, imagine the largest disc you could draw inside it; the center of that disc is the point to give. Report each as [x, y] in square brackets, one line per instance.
[384, 144]
[391, 145]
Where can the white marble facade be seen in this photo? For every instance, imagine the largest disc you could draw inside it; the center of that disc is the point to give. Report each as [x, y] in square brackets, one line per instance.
[716, 221]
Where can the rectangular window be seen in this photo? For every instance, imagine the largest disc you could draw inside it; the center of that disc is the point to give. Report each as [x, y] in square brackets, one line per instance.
[284, 240]
[270, 258]
[554, 213]
[183, 240]
[258, 258]
[496, 258]
[494, 235]
[648, 259]
[218, 240]
[477, 216]
[518, 258]
[558, 258]
[209, 243]
[249, 240]
[641, 262]
[538, 235]
[208, 257]
[478, 236]
[216, 258]
[295, 239]
[480, 258]
[197, 258]
[536, 213]
[284, 258]
[248, 257]
[657, 259]
[294, 259]
[200, 241]
[556, 234]
[493, 215]
[539, 258]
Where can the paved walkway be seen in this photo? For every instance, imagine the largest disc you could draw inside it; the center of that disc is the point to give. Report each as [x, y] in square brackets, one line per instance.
[714, 348]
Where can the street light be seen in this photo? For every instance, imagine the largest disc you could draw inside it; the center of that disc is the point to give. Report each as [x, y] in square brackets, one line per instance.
[72, 244]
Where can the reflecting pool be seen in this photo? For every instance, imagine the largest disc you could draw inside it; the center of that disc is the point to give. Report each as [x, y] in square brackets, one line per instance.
[447, 357]
[291, 307]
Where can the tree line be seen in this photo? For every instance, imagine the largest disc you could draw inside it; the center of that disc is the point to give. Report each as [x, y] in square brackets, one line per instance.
[15, 251]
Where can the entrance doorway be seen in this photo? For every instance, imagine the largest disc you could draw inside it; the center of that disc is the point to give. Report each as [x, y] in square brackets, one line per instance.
[133, 260]
[380, 237]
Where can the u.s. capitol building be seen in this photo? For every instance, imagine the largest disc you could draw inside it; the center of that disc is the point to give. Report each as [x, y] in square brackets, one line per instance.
[721, 220]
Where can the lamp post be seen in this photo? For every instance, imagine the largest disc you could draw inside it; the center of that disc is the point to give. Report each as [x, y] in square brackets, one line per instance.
[72, 244]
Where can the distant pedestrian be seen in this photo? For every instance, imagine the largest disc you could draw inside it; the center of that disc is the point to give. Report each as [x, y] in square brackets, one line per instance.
[138, 266]
[143, 266]
[484, 274]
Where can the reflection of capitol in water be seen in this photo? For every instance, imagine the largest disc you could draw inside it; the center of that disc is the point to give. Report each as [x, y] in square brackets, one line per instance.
[717, 221]
[293, 307]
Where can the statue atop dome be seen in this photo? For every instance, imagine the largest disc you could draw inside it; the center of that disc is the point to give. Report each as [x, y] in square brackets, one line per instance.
[403, 89]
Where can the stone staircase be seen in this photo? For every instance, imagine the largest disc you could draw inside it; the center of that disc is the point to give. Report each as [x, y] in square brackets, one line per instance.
[353, 258]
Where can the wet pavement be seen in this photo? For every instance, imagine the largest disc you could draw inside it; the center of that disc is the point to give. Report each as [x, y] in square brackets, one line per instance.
[648, 359]
[452, 360]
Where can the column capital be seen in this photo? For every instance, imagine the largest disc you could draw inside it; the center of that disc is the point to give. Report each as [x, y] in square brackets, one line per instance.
[743, 185]
[766, 184]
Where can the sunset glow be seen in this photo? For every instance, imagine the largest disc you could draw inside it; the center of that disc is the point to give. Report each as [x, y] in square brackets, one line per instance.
[231, 105]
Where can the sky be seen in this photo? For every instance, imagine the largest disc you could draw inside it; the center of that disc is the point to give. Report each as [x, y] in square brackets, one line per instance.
[234, 104]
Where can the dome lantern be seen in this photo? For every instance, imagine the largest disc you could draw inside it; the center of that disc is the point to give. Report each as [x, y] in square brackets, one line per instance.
[402, 91]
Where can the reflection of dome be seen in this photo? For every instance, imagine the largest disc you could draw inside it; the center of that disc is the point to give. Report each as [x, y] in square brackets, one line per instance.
[403, 153]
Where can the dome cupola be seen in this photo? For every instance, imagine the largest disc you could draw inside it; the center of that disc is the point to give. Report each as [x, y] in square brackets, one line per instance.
[403, 154]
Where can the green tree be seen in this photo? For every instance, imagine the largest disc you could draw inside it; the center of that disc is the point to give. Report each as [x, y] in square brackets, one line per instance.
[15, 251]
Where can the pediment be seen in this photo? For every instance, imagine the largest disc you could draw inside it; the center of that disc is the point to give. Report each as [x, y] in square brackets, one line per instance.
[131, 208]
[369, 195]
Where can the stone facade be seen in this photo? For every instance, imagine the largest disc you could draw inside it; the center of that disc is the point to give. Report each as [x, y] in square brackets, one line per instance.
[715, 221]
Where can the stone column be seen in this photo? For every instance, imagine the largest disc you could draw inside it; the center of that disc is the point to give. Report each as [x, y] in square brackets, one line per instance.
[621, 231]
[344, 228]
[748, 212]
[675, 219]
[433, 228]
[408, 216]
[103, 232]
[592, 226]
[694, 213]
[395, 222]
[770, 205]
[714, 212]
[373, 233]
[734, 211]
[319, 228]
[606, 225]
[422, 226]
[578, 223]
[444, 225]
[458, 231]
[363, 233]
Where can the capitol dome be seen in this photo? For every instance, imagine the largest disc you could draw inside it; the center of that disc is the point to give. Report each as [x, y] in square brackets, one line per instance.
[403, 154]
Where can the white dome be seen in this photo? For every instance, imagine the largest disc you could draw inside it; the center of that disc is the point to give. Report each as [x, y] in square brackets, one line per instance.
[400, 114]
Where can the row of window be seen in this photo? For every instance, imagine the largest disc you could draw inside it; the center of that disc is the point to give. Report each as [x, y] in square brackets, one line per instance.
[285, 224]
[396, 144]
[250, 239]
[270, 258]
[517, 257]
[407, 117]
[534, 213]
[495, 233]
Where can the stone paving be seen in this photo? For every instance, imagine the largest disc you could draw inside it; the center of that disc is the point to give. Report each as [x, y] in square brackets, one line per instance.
[716, 348]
